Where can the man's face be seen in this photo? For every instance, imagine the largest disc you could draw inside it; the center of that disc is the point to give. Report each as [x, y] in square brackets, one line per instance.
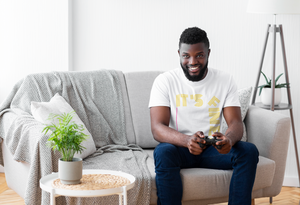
[194, 60]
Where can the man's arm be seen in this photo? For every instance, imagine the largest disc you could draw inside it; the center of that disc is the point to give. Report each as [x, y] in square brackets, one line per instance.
[233, 118]
[160, 118]
[234, 132]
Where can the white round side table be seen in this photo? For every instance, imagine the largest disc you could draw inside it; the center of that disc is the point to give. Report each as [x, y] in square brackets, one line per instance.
[46, 185]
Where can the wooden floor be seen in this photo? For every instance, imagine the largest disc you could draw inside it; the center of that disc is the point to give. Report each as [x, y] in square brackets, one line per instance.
[287, 196]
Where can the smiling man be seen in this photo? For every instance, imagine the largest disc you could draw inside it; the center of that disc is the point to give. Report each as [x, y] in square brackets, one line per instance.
[187, 104]
[194, 59]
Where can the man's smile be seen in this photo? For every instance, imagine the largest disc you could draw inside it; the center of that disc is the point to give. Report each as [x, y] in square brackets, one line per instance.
[194, 69]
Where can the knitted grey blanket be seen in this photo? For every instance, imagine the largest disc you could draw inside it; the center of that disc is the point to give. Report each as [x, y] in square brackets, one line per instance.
[96, 96]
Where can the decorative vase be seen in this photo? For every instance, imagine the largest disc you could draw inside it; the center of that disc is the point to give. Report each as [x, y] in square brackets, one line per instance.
[266, 96]
[70, 172]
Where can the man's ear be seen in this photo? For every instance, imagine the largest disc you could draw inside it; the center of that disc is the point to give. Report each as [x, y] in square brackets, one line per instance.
[208, 52]
[178, 52]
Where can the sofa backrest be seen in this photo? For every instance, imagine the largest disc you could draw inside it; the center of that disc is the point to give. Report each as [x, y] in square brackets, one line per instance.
[139, 86]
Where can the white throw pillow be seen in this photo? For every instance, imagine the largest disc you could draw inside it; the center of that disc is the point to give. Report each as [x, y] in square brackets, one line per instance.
[58, 105]
[244, 97]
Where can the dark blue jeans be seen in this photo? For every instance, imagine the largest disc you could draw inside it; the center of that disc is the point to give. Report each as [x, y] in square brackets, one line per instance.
[169, 159]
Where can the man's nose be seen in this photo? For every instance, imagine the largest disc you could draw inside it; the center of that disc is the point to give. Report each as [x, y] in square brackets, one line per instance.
[193, 61]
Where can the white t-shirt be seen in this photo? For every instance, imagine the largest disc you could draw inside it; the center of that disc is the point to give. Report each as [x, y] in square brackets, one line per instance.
[195, 106]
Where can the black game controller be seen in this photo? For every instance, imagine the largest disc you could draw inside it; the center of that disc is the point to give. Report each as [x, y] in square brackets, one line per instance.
[210, 141]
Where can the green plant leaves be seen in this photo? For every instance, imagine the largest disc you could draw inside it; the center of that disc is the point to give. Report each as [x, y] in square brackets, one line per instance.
[66, 136]
[269, 83]
[278, 78]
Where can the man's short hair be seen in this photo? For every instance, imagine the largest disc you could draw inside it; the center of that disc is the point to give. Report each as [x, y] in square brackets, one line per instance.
[194, 35]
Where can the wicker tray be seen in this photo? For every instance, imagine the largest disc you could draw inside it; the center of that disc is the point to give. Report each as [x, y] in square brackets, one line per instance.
[94, 182]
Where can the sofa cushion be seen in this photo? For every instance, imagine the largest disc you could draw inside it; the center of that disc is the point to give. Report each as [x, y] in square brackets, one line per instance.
[198, 182]
[139, 85]
[244, 97]
[58, 105]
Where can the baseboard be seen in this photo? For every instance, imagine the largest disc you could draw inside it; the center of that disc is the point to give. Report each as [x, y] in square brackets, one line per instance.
[1, 169]
[291, 181]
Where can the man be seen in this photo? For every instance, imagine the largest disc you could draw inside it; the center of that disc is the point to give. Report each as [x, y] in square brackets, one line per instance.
[185, 105]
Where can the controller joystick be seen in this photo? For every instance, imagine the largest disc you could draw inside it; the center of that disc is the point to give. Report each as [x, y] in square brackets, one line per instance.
[211, 140]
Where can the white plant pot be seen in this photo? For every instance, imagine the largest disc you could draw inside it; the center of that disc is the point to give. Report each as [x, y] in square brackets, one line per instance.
[70, 172]
[266, 96]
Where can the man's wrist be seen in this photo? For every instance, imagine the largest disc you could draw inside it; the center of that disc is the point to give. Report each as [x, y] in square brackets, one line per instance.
[231, 138]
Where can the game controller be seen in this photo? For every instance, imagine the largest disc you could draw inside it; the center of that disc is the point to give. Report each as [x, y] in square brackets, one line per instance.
[211, 140]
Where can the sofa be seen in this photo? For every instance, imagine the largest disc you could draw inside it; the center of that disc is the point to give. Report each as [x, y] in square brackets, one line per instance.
[268, 130]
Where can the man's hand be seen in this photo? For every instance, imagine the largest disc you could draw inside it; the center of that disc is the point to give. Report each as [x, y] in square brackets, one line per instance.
[193, 145]
[226, 143]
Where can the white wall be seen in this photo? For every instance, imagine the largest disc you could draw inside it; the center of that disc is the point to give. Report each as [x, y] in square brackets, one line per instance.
[140, 35]
[33, 38]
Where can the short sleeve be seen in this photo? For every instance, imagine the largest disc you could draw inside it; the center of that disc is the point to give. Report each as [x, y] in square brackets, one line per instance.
[159, 95]
[232, 98]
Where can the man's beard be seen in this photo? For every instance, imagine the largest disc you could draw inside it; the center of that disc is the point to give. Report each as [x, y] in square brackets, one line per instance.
[194, 78]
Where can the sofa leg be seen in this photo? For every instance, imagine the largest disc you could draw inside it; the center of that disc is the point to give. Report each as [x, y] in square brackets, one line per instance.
[271, 200]
[253, 202]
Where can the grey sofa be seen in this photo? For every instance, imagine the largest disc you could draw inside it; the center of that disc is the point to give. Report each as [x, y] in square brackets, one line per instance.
[269, 131]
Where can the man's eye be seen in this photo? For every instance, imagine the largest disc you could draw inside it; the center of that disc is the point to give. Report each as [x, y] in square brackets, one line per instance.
[185, 56]
[200, 56]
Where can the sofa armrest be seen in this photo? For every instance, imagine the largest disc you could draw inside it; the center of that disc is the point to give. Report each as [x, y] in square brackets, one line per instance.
[269, 131]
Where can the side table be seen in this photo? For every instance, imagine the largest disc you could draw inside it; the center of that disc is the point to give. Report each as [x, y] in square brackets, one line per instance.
[46, 185]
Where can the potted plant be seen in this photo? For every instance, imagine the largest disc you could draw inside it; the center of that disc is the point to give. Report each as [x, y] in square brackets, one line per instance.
[266, 91]
[66, 137]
